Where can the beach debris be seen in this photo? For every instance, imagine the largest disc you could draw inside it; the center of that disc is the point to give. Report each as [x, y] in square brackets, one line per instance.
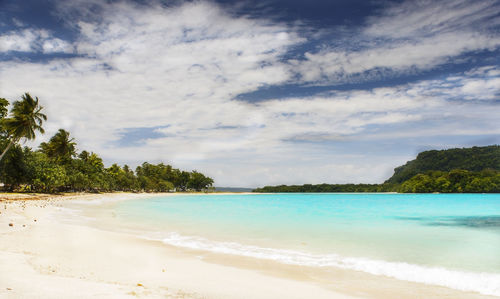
[34, 220]
[11, 224]
[9, 289]
[140, 285]
[24, 225]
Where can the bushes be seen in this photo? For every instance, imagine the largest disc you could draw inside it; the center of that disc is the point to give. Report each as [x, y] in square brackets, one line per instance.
[455, 181]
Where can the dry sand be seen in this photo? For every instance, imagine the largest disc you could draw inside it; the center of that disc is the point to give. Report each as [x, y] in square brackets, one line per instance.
[48, 252]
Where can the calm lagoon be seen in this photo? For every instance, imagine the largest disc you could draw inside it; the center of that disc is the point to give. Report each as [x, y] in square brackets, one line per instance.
[451, 240]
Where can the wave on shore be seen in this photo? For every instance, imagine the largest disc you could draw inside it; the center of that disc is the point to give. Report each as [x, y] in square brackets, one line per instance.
[483, 283]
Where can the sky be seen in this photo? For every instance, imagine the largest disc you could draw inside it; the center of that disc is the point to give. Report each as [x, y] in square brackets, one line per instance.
[257, 93]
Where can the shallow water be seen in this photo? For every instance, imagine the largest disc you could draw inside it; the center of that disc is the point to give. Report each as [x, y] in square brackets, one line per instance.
[445, 239]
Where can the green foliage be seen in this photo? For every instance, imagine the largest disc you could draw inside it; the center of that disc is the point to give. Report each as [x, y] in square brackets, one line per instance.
[181, 179]
[56, 168]
[87, 173]
[45, 175]
[431, 171]
[3, 108]
[3, 113]
[13, 168]
[26, 118]
[455, 181]
[323, 188]
[164, 178]
[155, 177]
[60, 147]
[198, 181]
[471, 159]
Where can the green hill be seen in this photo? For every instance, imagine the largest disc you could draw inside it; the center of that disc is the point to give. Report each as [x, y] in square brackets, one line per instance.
[472, 159]
[458, 170]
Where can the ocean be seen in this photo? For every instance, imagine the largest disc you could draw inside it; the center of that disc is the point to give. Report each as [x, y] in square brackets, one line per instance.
[451, 240]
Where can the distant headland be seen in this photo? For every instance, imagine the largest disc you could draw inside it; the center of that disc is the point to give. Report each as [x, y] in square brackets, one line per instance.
[457, 170]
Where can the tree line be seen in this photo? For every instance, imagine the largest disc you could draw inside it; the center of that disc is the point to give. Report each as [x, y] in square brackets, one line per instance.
[454, 181]
[56, 166]
[321, 188]
[457, 170]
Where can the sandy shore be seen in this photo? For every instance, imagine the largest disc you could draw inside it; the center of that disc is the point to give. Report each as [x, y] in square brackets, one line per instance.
[48, 252]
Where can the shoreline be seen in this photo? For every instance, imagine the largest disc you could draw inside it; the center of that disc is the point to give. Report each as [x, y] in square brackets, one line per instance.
[75, 259]
[12, 196]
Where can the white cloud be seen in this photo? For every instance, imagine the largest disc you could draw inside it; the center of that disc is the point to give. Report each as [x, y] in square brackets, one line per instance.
[393, 57]
[156, 66]
[182, 66]
[56, 45]
[482, 89]
[410, 19]
[17, 41]
[33, 40]
[412, 35]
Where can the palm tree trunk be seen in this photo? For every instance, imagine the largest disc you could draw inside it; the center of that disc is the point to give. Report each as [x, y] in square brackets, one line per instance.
[7, 149]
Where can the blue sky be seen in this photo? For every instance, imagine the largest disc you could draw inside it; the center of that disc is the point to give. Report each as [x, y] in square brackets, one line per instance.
[259, 92]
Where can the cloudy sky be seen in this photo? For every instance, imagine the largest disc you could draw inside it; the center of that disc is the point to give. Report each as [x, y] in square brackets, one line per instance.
[259, 92]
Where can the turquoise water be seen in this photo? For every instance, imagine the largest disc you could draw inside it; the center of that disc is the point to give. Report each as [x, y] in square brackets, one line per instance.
[445, 239]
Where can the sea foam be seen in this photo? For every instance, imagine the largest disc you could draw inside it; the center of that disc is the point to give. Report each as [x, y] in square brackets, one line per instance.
[484, 283]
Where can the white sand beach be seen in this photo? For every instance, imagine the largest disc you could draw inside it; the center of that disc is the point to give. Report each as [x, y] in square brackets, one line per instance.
[45, 253]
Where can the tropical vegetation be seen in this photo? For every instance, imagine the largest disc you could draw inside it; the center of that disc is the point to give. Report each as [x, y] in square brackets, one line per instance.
[465, 170]
[472, 159]
[26, 118]
[57, 166]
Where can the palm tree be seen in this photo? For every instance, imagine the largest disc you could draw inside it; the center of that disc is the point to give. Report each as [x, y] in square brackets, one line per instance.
[3, 108]
[60, 147]
[26, 118]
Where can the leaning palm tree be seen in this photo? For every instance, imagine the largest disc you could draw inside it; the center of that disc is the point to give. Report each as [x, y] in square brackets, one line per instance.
[26, 118]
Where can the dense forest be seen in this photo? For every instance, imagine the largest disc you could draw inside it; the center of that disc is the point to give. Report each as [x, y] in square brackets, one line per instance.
[472, 159]
[56, 166]
[466, 170]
